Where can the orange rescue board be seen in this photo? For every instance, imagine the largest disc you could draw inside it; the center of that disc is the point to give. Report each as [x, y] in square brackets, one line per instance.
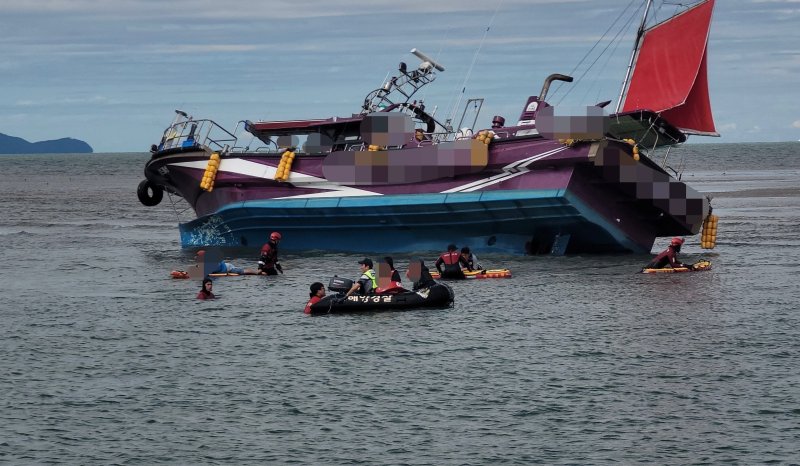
[487, 273]
[698, 266]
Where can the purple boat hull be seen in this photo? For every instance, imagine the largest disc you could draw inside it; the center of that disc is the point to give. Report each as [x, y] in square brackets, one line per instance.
[534, 195]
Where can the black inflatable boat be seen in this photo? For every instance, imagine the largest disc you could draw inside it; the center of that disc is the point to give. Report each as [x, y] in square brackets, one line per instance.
[437, 296]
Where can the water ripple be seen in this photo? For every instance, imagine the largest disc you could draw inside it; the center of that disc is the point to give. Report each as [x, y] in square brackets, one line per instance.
[575, 360]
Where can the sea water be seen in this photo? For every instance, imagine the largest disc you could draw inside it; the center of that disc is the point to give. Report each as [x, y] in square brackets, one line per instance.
[575, 360]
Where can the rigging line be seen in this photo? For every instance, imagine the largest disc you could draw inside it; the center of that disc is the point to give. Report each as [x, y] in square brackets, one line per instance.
[561, 83]
[438, 58]
[679, 7]
[617, 42]
[656, 11]
[616, 36]
[474, 60]
[452, 96]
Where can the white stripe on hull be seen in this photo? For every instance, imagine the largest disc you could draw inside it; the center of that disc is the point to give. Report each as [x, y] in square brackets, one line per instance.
[257, 170]
[512, 170]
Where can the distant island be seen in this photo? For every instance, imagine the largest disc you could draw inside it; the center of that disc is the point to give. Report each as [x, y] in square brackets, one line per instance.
[14, 145]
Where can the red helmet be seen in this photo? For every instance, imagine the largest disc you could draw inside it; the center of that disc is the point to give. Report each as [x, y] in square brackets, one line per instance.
[676, 241]
[275, 236]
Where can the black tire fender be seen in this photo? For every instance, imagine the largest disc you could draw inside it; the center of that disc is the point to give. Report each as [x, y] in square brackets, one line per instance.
[149, 194]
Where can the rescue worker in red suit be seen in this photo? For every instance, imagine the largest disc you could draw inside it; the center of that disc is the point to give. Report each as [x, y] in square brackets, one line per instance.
[268, 264]
[452, 262]
[669, 256]
[316, 295]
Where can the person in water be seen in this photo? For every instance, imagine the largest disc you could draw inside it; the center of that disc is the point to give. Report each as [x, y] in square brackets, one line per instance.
[316, 295]
[468, 258]
[669, 256]
[205, 289]
[452, 262]
[367, 282]
[220, 267]
[419, 274]
[268, 263]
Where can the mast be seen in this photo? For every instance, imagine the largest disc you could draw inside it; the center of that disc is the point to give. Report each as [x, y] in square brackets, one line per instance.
[639, 35]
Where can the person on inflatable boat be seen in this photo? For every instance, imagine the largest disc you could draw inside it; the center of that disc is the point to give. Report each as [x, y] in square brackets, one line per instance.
[316, 295]
[268, 264]
[394, 274]
[453, 263]
[367, 282]
[388, 278]
[419, 275]
[669, 256]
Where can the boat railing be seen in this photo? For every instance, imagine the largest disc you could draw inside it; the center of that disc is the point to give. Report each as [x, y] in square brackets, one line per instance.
[359, 146]
[262, 148]
[192, 133]
[207, 133]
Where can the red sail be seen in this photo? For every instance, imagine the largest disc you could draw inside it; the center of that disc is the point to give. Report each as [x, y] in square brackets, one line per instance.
[670, 74]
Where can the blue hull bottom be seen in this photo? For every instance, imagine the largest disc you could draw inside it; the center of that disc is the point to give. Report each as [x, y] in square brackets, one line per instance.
[515, 222]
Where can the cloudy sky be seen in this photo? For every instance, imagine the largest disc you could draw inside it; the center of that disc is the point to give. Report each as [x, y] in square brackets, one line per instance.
[111, 72]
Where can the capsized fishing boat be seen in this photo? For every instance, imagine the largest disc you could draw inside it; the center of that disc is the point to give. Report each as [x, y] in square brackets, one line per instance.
[394, 178]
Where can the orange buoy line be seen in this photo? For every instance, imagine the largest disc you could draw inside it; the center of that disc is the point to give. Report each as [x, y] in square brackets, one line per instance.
[285, 165]
[708, 239]
[207, 183]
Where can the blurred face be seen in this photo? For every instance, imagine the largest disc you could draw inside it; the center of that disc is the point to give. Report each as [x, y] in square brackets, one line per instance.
[363, 267]
[208, 286]
[384, 274]
[414, 271]
[321, 292]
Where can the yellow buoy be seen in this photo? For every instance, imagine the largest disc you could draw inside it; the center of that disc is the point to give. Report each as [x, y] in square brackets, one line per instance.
[210, 174]
[284, 166]
[709, 232]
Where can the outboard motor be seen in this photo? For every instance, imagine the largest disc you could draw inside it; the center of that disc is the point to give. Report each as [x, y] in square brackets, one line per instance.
[340, 285]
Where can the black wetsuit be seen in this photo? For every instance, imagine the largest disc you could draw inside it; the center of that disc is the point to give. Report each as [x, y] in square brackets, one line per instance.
[425, 280]
[452, 261]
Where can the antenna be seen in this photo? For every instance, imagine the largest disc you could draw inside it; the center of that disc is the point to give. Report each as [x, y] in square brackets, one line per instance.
[427, 62]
